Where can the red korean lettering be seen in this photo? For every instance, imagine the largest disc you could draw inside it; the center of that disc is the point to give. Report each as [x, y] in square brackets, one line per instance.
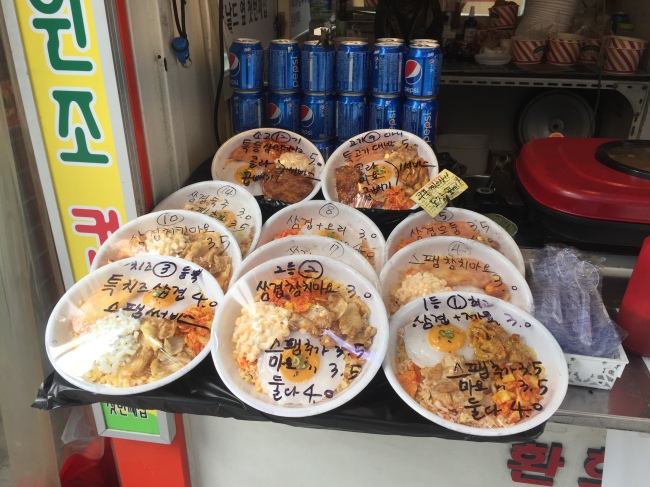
[535, 463]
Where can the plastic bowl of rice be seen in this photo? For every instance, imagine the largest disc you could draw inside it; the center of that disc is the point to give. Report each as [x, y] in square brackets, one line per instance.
[133, 325]
[232, 205]
[475, 364]
[277, 164]
[299, 335]
[186, 234]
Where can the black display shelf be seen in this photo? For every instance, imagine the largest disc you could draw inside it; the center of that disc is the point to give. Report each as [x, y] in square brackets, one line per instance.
[377, 409]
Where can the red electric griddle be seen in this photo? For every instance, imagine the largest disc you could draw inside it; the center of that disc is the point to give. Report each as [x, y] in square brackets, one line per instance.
[591, 191]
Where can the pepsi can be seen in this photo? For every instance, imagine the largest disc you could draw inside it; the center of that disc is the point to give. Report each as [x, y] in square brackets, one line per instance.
[415, 42]
[385, 112]
[421, 75]
[247, 108]
[284, 110]
[283, 58]
[317, 116]
[325, 147]
[352, 67]
[351, 115]
[386, 68]
[317, 68]
[390, 39]
[246, 59]
[420, 117]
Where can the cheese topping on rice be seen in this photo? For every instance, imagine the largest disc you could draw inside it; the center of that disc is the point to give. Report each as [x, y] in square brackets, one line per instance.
[297, 161]
[258, 327]
[417, 285]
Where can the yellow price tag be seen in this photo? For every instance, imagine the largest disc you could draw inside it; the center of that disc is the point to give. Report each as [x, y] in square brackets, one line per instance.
[434, 195]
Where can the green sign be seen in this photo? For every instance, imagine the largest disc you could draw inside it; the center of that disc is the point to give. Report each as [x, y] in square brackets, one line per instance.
[132, 420]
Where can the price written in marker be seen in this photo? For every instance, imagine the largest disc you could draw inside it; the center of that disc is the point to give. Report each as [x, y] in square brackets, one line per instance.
[435, 195]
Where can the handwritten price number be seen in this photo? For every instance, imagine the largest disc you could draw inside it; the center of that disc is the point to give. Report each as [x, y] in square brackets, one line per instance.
[514, 322]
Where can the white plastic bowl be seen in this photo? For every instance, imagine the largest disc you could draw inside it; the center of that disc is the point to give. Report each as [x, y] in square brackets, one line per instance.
[371, 141]
[222, 170]
[167, 222]
[483, 225]
[456, 248]
[72, 358]
[350, 223]
[301, 245]
[534, 335]
[219, 196]
[243, 292]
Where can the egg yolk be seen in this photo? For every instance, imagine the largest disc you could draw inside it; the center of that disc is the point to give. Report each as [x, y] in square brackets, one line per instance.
[244, 175]
[330, 234]
[160, 297]
[446, 338]
[299, 367]
[380, 173]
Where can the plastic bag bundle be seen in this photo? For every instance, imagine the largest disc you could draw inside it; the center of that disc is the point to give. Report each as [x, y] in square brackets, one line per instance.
[566, 290]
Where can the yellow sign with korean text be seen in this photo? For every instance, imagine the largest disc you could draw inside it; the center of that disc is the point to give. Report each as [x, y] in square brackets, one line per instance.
[78, 110]
[437, 193]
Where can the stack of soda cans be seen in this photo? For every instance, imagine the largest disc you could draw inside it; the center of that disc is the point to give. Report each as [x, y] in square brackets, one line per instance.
[352, 64]
[386, 84]
[247, 104]
[422, 72]
[370, 86]
[284, 105]
[317, 80]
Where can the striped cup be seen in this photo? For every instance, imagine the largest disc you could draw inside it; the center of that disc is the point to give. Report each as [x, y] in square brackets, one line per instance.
[503, 17]
[564, 49]
[621, 61]
[526, 51]
[619, 42]
[590, 51]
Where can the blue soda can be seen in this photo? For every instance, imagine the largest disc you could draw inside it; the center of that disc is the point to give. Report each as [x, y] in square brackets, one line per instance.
[317, 117]
[247, 109]
[316, 68]
[390, 39]
[326, 147]
[386, 68]
[385, 112]
[420, 117]
[283, 58]
[246, 59]
[421, 72]
[352, 74]
[351, 115]
[423, 41]
[619, 18]
[284, 110]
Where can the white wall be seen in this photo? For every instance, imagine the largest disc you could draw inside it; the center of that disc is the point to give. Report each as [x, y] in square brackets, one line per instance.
[177, 103]
[228, 452]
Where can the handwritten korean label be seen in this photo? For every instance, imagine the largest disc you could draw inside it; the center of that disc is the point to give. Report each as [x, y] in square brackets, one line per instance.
[320, 357]
[487, 389]
[435, 195]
